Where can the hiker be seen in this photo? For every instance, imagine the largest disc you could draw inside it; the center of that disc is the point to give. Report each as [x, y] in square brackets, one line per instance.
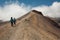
[11, 20]
[14, 21]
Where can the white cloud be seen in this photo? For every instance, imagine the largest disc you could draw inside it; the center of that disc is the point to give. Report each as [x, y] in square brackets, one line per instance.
[17, 10]
[51, 11]
[13, 10]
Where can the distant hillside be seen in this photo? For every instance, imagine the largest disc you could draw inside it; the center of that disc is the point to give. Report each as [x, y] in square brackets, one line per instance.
[3, 22]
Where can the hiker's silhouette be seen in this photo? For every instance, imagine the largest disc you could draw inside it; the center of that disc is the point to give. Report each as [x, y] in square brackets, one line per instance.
[14, 21]
[11, 20]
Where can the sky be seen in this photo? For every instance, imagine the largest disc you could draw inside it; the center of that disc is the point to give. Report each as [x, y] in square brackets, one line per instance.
[18, 8]
[30, 2]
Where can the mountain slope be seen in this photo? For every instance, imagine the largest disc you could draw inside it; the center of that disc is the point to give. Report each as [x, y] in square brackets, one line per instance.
[33, 26]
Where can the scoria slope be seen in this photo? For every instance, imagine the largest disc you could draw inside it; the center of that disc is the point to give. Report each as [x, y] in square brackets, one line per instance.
[32, 26]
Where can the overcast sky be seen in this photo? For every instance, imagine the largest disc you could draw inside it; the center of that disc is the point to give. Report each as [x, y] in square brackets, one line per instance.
[18, 8]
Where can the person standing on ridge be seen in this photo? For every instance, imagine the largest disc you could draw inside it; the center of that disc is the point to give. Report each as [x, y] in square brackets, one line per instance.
[11, 20]
[14, 21]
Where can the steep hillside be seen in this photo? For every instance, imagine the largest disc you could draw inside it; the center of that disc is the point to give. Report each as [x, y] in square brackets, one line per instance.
[32, 26]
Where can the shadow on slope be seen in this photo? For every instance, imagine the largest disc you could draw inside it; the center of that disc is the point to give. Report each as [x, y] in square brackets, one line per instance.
[53, 22]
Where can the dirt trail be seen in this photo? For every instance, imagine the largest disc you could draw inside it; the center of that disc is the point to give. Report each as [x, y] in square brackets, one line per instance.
[31, 27]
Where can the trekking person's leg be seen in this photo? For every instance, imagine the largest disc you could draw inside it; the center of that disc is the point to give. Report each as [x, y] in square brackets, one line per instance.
[15, 23]
[11, 24]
